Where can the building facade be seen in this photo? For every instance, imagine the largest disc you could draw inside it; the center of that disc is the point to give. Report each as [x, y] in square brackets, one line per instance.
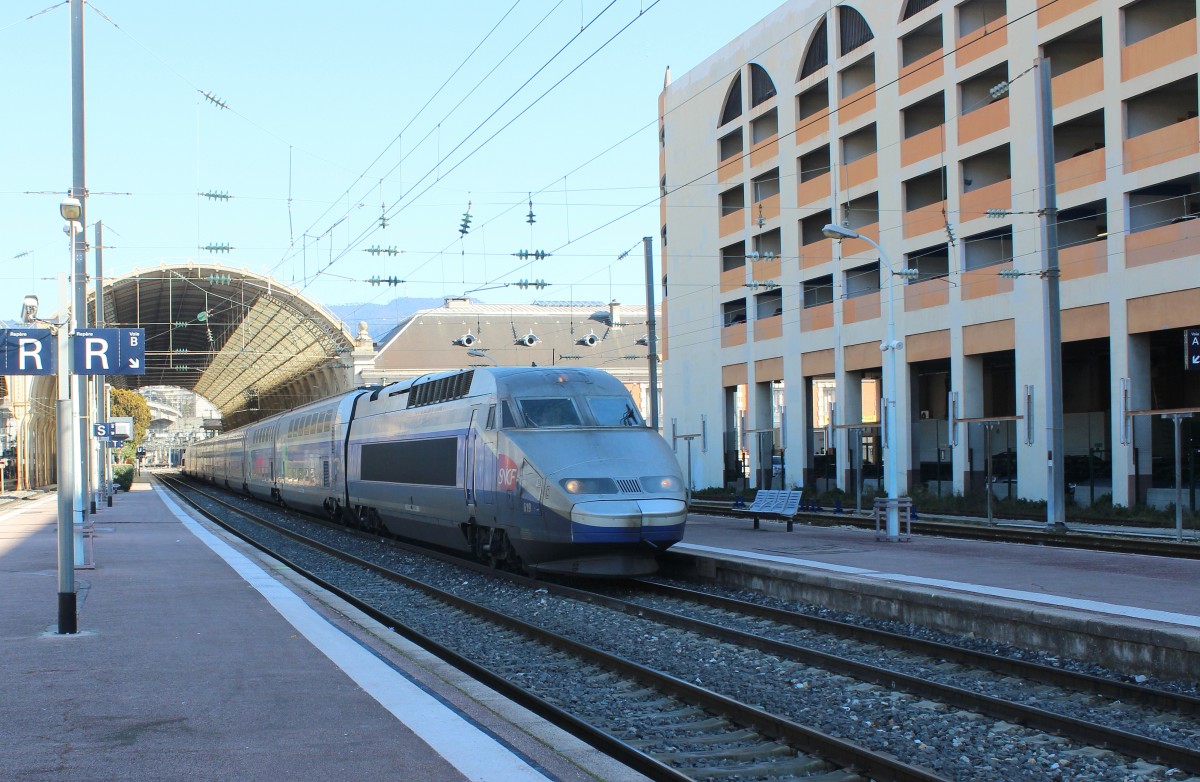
[917, 124]
[463, 333]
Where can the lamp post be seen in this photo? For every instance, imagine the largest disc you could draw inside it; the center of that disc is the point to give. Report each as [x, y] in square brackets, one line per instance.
[889, 347]
[70, 210]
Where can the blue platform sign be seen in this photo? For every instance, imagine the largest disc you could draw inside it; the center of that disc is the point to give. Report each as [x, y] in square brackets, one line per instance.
[109, 351]
[29, 352]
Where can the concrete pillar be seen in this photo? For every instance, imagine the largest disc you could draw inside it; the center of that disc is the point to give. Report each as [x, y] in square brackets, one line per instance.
[851, 413]
[969, 453]
[758, 417]
[1131, 461]
[902, 448]
[796, 404]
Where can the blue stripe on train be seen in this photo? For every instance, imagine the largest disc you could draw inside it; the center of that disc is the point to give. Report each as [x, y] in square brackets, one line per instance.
[586, 533]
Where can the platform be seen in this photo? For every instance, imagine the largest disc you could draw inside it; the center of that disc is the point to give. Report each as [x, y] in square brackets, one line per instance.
[199, 660]
[1135, 614]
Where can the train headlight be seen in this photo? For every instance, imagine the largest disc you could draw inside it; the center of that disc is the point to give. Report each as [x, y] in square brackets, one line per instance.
[661, 483]
[589, 485]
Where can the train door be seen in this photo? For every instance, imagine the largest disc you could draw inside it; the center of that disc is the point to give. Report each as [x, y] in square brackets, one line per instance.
[484, 466]
[472, 446]
[531, 486]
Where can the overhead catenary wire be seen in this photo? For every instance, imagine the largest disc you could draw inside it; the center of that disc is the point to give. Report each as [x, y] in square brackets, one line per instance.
[704, 175]
[399, 136]
[332, 273]
[397, 208]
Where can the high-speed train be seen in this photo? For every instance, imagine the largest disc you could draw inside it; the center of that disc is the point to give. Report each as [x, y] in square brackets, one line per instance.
[539, 468]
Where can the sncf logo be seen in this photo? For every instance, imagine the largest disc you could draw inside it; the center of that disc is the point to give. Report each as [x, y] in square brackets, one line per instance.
[507, 475]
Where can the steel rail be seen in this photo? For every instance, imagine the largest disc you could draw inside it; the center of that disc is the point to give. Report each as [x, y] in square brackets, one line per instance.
[597, 738]
[877, 766]
[1096, 735]
[1125, 692]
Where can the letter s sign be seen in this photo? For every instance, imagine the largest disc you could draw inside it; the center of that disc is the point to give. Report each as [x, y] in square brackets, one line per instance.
[506, 477]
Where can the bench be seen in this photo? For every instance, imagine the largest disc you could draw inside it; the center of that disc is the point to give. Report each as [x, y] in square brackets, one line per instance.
[773, 503]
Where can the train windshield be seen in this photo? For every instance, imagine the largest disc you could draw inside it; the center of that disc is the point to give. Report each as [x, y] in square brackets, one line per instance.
[614, 411]
[556, 411]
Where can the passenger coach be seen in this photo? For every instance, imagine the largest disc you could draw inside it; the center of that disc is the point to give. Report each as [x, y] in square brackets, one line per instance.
[533, 467]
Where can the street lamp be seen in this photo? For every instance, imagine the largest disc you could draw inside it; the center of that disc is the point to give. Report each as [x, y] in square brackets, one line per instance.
[889, 346]
[480, 354]
[70, 209]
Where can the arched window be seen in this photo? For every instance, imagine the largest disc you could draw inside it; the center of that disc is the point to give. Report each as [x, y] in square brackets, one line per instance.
[914, 7]
[733, 101]
[817, 56]
[761, 86]
[853, 29]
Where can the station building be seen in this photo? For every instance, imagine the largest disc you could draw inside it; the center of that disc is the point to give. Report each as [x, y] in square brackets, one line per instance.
[917, 124]
[463, 333]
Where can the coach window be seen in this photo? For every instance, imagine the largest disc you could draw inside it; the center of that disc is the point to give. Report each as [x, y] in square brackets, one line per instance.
[491, 417]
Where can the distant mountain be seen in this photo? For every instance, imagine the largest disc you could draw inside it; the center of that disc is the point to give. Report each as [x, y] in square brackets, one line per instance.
[380, 318]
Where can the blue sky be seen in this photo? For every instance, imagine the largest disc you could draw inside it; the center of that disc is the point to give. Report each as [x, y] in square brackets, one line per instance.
[326, 126]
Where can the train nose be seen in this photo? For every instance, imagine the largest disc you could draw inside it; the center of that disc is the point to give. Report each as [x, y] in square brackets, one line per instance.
[627, 520]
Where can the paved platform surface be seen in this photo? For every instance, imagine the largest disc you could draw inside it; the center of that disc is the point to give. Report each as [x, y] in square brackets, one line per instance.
[1156, 598]
[196, 660]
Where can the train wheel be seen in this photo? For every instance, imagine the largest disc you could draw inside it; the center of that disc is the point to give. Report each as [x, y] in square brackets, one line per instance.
[475, 535]
[500, 553]
[494, 550]
[368, 520]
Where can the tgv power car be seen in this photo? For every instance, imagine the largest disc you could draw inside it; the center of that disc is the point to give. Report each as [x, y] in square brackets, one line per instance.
[543, 468]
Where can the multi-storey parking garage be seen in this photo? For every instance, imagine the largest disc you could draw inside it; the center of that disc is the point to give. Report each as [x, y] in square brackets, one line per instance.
[915, 125]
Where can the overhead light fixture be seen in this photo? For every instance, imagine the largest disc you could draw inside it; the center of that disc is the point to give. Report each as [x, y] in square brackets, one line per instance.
[29, 309]
[70, 208]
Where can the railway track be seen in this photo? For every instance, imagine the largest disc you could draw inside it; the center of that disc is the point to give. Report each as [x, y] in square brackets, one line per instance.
[673, 730]
[1009, 531]
[674, 719]
[946, 673]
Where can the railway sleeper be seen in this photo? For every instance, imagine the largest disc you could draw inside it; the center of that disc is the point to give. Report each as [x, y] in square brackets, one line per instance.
[699, 718]
[712, 723]
[790, 768]
[700, 740]
[752, 752]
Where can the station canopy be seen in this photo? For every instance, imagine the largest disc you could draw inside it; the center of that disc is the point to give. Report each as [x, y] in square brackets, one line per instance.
[245, 342]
